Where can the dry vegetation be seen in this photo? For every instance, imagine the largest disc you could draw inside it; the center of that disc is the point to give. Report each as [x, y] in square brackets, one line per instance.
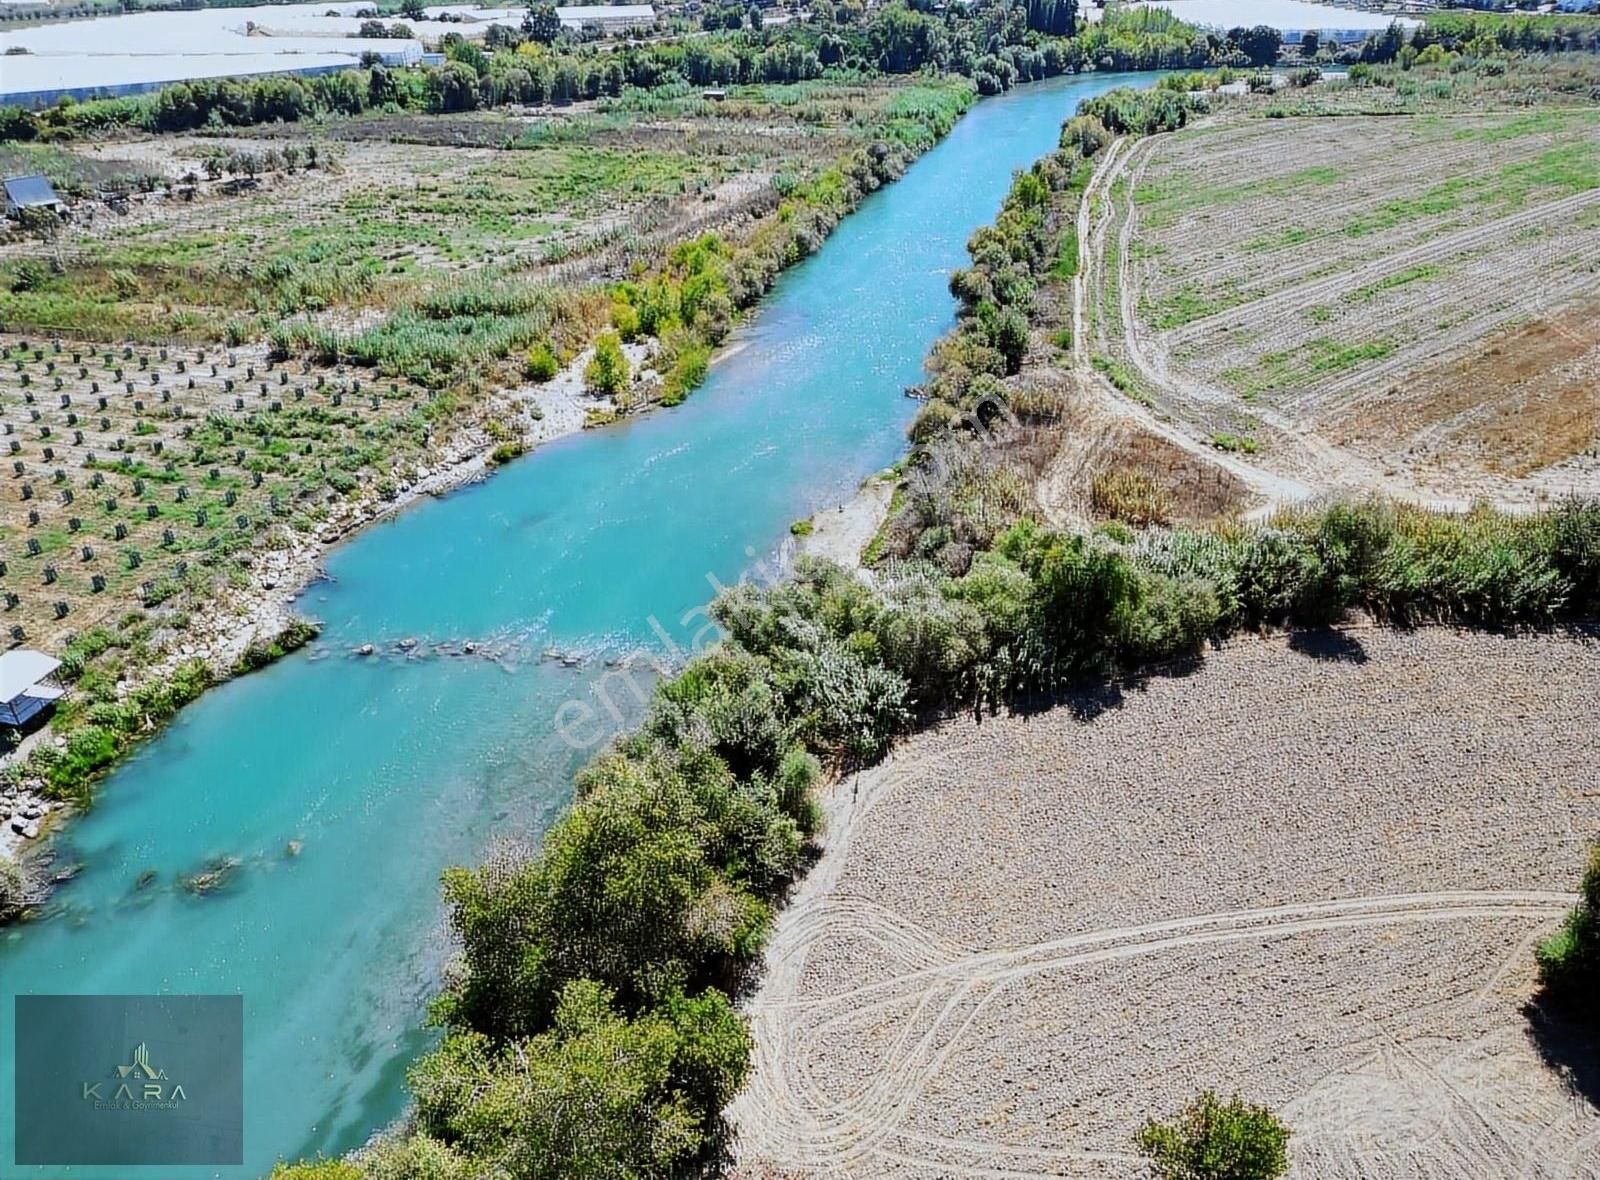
[170, 470]
[394, 204]
[1025, 937]
[1402, 303]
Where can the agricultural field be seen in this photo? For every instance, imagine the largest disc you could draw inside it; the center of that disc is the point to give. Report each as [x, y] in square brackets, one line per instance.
[245, 344]
[1351, 302]
[957, 991]
[142, 475]
[352, 217]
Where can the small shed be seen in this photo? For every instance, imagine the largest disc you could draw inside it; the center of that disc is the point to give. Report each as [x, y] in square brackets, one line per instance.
[26, 689]
[714, 95]
[31, 192]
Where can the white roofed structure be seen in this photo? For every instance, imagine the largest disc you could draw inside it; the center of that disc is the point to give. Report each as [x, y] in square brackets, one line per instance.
[1292, 18]
[25, 690]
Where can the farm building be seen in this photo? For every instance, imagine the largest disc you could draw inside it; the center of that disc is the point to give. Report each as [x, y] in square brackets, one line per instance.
[26, 688]
[130, 53]
[607, 16]
[31, 192]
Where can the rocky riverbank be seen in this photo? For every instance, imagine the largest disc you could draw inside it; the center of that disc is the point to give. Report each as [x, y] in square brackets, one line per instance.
[226, 630]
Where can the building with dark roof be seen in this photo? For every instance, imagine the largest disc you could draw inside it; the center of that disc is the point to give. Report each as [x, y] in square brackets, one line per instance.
[30, 192]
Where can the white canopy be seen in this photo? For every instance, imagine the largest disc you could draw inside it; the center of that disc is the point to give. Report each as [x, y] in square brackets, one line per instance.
[21, 670]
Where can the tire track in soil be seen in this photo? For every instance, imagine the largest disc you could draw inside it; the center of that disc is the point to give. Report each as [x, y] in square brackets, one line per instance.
[789, 1116]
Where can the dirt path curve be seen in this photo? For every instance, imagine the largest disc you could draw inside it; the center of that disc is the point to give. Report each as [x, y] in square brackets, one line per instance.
[1272, 488]
[939, 990]
[1305, 463]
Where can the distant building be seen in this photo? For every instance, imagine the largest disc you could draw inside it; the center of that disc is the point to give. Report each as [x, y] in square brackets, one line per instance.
[608, 16]
[31, 192]
[26, 689]
[1292, 18]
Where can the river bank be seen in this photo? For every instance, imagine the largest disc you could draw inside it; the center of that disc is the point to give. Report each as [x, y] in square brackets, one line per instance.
[229, 630]
[384, 771]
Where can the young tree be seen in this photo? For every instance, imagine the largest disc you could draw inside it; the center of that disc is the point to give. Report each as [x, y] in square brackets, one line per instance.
[1216, 1140]
[541, 24]
[411, 9]
[607, 371]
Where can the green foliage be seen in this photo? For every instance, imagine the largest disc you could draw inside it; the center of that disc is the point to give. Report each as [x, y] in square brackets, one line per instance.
[652, 881]
[261, 652]
[116, 725]
[318, 1170]
[542, 364]
[13, 889]
[691, 361]
[1217, 1140]
[1569, 960]
[607, 371]
[1126, 111]
[599, 1094]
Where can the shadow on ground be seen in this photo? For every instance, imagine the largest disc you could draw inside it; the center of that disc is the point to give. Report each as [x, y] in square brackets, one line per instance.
[1568, 1046]
[1338, 647]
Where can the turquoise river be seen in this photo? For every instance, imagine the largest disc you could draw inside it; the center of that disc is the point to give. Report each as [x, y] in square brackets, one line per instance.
[385, 770]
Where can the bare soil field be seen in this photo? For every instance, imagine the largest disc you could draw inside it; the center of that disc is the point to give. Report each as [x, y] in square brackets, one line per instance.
[1291, 288]
[1310, 870]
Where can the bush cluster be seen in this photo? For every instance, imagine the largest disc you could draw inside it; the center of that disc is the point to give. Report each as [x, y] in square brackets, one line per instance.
[111, 726]
[1214, 1139]
[1040, 609]
[588, 1031]
[1569, 960]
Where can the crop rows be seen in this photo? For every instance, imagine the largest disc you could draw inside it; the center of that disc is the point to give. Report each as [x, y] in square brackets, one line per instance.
[132, 475]
[1269, 277]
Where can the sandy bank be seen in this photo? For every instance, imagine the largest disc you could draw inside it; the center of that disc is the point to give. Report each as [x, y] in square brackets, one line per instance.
[840, 534]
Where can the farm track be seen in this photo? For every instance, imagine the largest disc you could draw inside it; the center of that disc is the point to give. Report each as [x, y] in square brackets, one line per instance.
[1105, 402]
[955, 992]
[805, 1120]
[1467, 286]
[1320, 462]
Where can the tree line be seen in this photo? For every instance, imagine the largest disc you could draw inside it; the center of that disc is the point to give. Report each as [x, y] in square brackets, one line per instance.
[997, 43]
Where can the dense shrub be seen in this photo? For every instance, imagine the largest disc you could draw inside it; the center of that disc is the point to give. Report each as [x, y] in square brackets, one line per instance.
[607, 371]
[13, 889]
[115, 724]
[541, 364]
[1126, 111]
[1569, 960]
[1217, 1140]
[597, 1094]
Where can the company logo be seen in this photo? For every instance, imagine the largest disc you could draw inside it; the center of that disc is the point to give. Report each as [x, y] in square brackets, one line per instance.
[139, 1086]
[119, 1080]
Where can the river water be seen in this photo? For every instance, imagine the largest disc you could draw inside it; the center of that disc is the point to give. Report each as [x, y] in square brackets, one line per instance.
[382, 771]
